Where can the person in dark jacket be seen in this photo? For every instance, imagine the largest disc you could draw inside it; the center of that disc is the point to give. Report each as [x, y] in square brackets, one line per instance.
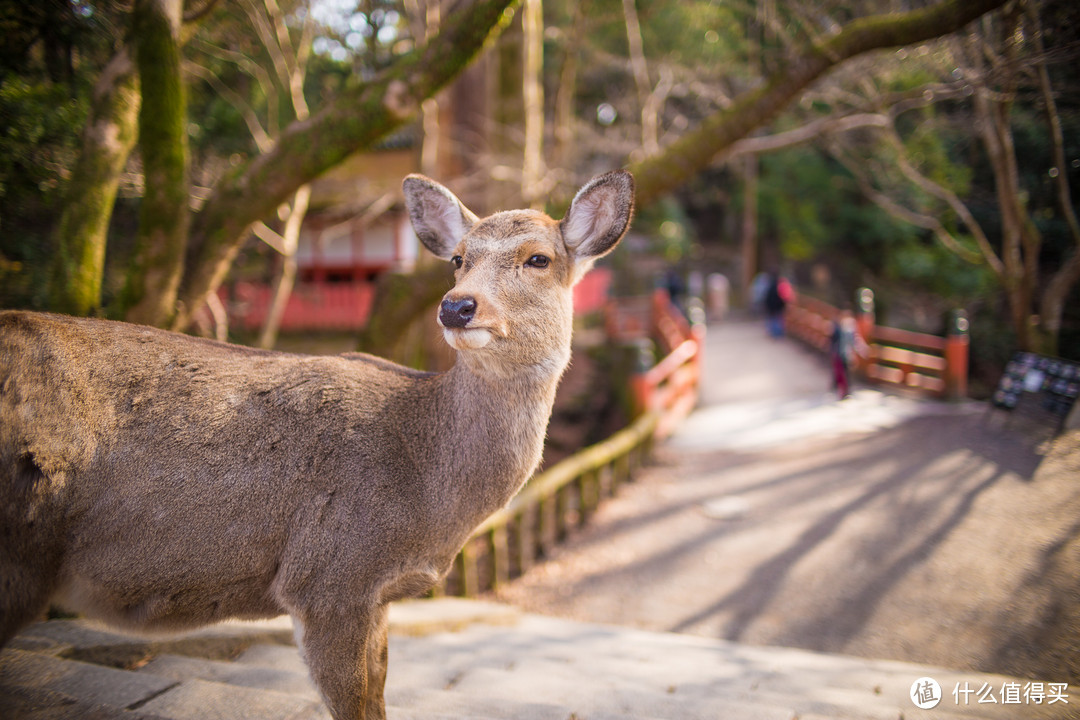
[777, 297]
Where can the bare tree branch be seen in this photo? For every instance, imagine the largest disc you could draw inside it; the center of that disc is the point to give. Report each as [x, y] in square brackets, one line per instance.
[932, 188]
[649, 134]
[886, 203]
[290, 241]
[269, 39]
[805, 133]
[199, 11]
[257, 73]
[293, 61]
[262, 139]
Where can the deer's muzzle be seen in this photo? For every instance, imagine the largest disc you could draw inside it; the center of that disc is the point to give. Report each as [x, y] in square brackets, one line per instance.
[457, 313]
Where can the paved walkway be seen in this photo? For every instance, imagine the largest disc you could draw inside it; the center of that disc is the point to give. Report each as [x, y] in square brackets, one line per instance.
[880, 526]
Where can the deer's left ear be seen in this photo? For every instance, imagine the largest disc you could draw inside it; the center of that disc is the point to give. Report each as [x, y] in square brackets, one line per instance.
[599, 215]
[438, 217]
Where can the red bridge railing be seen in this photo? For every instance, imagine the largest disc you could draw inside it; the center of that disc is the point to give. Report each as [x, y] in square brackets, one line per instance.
[670, 387]
[933, 365]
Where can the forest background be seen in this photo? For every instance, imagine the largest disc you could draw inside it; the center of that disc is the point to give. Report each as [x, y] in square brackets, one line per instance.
[151, 150]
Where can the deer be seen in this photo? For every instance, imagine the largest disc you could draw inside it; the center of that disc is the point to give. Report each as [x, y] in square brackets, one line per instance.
[159, 482]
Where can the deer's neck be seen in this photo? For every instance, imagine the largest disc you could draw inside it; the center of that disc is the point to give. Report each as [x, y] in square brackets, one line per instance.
[494, 434]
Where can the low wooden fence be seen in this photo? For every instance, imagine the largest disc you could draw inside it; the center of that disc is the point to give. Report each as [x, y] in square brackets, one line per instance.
[511, 540]
[936, 366]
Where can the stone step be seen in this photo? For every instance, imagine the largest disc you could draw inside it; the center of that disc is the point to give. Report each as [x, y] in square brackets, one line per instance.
[91, 684]
[90, 642]
[284, 658]
[35, 703]
[573, 655]
[447, 661]
[204, 700]
[181, 668]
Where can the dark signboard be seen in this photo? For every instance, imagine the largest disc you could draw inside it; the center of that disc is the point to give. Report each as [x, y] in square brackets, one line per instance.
[1038, 384]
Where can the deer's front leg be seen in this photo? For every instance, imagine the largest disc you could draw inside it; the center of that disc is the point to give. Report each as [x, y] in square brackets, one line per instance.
[348, 657]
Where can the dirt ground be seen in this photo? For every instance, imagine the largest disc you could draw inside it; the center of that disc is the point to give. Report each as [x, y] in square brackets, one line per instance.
[876, 527]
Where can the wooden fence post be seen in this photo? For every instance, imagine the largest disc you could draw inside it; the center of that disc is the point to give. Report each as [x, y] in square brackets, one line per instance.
[500, 556]
[697, 332]
[640, 389]
[467, 572]
[957, 343]
[865, 320]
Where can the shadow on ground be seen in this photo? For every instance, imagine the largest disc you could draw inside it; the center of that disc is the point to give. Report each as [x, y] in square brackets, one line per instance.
[937, 540]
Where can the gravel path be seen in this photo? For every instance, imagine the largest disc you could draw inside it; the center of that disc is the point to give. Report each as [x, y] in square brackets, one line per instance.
[879, 527]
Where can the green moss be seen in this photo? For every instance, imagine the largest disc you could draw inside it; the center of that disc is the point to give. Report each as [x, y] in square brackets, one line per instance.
[81, 234]
[154, 278]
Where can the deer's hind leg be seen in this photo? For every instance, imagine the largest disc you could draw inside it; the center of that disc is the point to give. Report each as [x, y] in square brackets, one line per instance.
[28, 578]
[347, 655]
[30, 550]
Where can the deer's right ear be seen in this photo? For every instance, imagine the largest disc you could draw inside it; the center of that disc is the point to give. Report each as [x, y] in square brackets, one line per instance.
[599, 215]
[438, 217]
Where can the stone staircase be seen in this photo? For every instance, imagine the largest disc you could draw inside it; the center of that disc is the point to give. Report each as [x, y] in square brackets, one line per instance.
[453, 659]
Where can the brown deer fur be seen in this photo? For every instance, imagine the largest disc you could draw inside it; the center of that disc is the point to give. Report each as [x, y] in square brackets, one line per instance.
[160, 482]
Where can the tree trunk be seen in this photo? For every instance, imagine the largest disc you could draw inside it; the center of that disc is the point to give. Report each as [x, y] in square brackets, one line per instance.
[307, 149]
[694, 151]
[650, 134]
[564, 96]
[82, 231]
[1018, 286]
[532, 171]
[424, 19]
[1057, 290]
[401, 301]
[163, 216]
[749, 226]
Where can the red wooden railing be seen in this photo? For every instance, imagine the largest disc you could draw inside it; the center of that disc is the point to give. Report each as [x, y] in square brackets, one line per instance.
[312, 306]
[930, 364]
[670, 386]
[346, 306]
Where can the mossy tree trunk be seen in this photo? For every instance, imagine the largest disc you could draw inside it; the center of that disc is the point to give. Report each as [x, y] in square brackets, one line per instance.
[80, 235]
[154, 277]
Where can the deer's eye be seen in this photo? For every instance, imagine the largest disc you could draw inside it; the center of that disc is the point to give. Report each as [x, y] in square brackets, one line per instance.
[538, 261]
[457, 260]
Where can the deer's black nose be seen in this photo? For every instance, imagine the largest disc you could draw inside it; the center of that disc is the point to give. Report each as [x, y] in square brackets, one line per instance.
[457, 313]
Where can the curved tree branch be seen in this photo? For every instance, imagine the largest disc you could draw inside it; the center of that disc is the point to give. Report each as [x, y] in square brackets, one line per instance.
[199, 11]
[310, 147]
[694, 151]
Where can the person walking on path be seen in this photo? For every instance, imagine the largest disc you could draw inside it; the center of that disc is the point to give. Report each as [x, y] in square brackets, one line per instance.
[844, 345]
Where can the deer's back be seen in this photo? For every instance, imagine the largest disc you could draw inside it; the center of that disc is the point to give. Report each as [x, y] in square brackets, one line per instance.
[137, 443]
